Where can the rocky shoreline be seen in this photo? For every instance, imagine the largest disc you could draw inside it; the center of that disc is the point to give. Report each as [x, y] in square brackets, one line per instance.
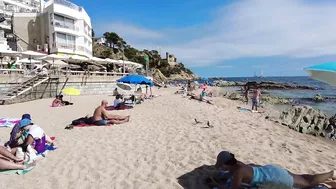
[263, 85]
[303, 119]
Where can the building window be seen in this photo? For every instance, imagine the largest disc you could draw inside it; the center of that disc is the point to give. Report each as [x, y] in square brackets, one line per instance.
[66, 40]
[63, 22]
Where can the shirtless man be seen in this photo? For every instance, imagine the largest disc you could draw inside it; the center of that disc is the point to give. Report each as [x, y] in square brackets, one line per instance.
[255, 98]
[101, 117]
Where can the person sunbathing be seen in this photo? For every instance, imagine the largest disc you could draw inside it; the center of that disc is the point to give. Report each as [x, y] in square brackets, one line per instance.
[256, 175]
[200, 98]
[101, 117]
[9, 162]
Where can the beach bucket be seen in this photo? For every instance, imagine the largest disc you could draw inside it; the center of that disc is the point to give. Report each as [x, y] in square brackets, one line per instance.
[40, 145]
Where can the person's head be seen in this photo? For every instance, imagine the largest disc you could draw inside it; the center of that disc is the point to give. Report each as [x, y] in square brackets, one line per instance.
[25, 124]
[225, 161]
[26, 116]
[104, 103]
[118, 96]
[60, 96]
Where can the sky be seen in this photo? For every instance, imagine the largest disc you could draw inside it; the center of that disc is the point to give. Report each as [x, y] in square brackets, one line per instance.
[225, 38]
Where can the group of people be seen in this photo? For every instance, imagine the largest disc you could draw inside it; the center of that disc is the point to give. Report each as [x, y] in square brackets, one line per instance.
[255, 97]
[22, 146]
[254, 175]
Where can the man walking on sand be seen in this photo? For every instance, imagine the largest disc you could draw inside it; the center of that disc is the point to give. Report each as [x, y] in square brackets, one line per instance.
[256, 98]
[101, 117]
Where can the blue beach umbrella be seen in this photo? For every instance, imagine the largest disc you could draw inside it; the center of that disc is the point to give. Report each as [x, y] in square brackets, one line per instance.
[323, 72]
[135, 79]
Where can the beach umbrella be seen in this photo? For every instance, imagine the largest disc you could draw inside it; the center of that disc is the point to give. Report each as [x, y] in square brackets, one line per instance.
[323, 72]
[98, 60]
[54, 57]
[124, 86]
[71, 91]
[136, 79]
[32, 54]
[77, 58]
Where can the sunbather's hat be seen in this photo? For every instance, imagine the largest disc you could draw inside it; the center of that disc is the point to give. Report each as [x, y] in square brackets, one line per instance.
[223, 158]
[24, 122]
[26, 116]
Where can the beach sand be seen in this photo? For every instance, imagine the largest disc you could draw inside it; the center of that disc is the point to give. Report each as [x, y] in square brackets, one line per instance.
[160, 147]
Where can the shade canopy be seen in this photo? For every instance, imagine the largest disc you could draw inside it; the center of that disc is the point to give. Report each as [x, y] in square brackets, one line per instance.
[323, 72]
[98, 60]
[54, 57]
[78, 58]
[32, 54]
[28, 61]
[8, 53]
[136, 79]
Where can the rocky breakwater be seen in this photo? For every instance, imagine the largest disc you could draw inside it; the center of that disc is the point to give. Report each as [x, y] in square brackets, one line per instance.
[265, 99]
[264, 85]
[308, 120]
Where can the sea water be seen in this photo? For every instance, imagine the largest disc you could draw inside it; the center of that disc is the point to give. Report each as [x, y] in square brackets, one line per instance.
[302, 97]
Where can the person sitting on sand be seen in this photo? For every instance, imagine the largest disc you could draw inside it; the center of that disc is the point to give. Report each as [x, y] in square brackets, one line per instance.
[101, 117]
[57, 102]
[203, 94]
[195, 97]
[115, 92]
[256, 98]
[9, 162]
[257, 175]
[117, 102]
[24, 134]
[66, 103]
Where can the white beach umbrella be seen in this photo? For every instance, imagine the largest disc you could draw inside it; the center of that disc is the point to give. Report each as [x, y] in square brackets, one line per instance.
[32, 54]
[98, 60]
[26, 60]
[54, 57]
[78, 58]
[124, 86]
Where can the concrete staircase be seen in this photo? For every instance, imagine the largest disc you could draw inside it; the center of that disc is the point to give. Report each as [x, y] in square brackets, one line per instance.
[19, 89]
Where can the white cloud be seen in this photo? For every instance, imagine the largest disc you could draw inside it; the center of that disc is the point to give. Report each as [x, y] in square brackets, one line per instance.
[250, 28]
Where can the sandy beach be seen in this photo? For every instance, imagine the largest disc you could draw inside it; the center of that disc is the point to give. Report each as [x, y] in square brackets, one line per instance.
[160, 147]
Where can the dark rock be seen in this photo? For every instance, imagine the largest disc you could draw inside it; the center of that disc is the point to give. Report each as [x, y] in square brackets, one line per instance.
[308, 120]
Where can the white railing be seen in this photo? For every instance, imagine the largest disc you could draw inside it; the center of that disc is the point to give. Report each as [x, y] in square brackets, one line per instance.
[62, 72]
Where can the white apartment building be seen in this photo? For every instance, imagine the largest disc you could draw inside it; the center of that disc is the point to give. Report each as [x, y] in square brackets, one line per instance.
[68, 29]
[55, 26]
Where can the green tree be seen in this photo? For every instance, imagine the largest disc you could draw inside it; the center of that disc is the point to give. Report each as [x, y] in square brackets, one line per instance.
[111, 38]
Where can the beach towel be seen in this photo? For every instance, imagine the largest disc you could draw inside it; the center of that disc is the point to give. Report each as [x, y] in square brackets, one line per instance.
[90, 125]
[227, 175]
[249, 110]
[9, 122]
[17, 172]
[122, 107]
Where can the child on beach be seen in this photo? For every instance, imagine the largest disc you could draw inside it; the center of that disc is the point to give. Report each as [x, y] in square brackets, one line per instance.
[255, 98]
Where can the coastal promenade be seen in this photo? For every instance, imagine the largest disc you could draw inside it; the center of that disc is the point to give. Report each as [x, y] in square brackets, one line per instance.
[160, 147]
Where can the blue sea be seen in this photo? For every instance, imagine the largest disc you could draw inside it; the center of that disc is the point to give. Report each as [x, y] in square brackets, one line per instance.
[300, 96]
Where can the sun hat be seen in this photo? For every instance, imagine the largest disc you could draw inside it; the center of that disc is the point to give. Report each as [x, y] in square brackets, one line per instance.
[24, 122]
[26, 116]
[223, 158]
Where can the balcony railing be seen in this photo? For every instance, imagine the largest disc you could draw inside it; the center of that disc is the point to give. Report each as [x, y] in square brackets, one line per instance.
[66, 26]
[68, 4]
[64, 46]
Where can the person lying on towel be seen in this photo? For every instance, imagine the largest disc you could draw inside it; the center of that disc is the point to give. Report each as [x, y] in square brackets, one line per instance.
[101, 117]
[256, 175]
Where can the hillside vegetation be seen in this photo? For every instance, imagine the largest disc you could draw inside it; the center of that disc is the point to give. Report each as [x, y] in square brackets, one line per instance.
[117, 48]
